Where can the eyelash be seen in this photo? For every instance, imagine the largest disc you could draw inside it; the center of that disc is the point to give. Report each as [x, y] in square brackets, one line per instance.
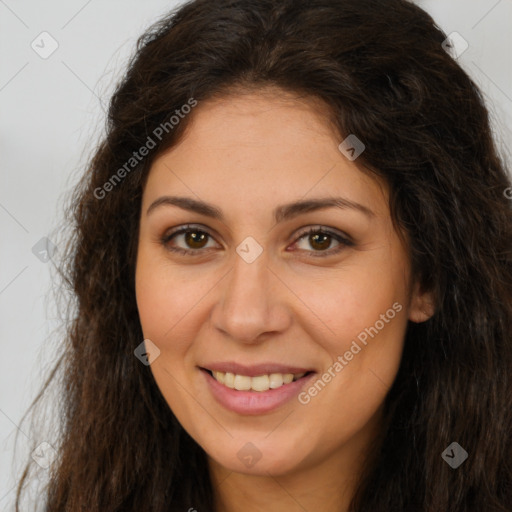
[342, 240]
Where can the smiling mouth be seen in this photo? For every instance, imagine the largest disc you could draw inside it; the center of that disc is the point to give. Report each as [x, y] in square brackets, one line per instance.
[260, 383]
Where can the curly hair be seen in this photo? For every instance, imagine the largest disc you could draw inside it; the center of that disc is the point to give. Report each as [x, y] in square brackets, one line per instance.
[382, 70]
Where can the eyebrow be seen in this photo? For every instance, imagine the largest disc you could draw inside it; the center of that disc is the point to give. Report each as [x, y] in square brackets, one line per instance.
[281, 213]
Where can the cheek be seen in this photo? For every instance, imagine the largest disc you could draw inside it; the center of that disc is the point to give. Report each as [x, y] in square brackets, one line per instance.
[354, 302]
[165, 301]
[168, 301]
[364, 351]
[167, 296]
[362, 329]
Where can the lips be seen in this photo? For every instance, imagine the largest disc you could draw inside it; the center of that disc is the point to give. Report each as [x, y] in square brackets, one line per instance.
[254, 395]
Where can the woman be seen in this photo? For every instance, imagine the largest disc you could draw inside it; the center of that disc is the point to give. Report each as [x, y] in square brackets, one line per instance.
[293, 266]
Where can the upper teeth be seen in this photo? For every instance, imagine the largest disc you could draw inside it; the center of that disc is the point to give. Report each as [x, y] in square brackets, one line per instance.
[259, 383]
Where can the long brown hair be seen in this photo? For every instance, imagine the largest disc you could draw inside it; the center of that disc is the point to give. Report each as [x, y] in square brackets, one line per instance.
[382, 70]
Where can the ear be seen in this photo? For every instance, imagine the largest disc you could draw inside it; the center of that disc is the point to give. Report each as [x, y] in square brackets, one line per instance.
[422, 305]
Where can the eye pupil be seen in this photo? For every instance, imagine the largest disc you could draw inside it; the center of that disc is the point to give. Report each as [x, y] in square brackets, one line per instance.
[320, 244]
[193, 238]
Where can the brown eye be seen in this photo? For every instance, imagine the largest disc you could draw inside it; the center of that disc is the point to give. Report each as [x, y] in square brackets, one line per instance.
[320, 241]
[195, 239]
[187, 240]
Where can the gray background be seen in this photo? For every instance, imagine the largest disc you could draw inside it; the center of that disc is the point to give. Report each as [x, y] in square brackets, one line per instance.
[51, 115]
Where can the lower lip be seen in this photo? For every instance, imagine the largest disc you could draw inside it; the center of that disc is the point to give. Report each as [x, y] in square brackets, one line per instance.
[254, 402]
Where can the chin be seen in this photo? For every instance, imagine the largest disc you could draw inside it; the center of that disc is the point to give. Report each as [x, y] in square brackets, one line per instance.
[259, 458]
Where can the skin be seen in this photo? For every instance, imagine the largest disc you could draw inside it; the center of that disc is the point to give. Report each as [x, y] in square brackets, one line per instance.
[247, 154]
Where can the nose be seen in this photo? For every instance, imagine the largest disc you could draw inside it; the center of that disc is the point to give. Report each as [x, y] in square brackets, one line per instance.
[251, 304]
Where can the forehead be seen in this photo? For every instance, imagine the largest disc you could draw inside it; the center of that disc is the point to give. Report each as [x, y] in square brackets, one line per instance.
[270, 116]
[268, 146]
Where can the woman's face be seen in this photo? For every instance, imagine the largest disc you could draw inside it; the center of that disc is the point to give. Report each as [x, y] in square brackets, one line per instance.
[258, 300]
